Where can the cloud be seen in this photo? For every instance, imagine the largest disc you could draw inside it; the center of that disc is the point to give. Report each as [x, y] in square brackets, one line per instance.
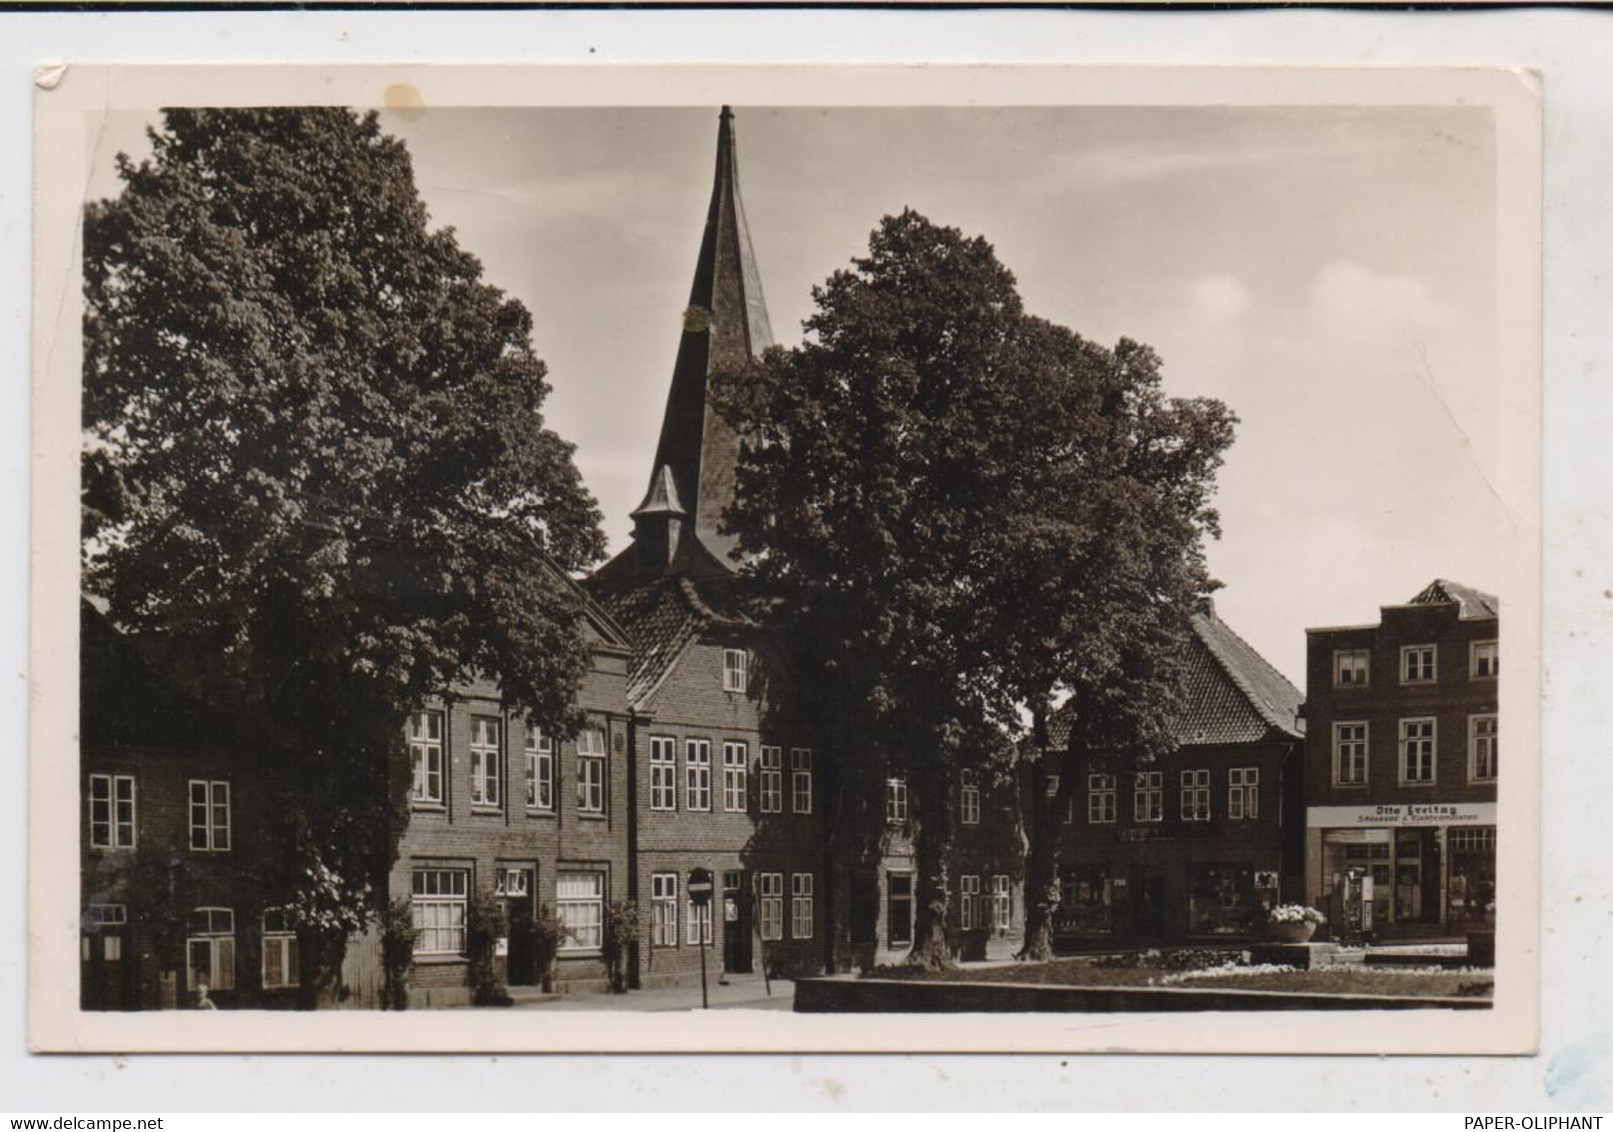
[1365, 302]
[1217, 299]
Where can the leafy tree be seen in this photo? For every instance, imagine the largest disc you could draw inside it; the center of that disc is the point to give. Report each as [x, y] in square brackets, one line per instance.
[952, 501]
[315, 450]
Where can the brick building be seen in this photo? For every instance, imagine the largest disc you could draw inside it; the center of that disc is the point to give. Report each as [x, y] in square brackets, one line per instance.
[1402, 755]
[724, 775]
[1200, 844]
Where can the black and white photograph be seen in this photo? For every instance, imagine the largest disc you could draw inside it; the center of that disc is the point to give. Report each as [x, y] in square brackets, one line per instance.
[591, 569]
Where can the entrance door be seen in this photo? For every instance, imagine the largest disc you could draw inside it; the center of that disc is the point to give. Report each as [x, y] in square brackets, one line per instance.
[1149, 906]
[521, 965]
[104, 984]
[736, 942]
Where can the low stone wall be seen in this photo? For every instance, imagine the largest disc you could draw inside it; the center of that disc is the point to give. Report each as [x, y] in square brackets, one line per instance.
[916, 996]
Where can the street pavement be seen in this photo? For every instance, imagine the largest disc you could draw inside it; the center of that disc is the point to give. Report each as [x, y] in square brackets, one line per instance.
[746, 992]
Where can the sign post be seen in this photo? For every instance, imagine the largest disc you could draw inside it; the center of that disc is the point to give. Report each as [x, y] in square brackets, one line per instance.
[699, 889]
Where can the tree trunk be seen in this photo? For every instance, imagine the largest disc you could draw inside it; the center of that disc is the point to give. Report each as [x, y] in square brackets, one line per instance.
[320, 978]
[1043, 892]
[932, 846]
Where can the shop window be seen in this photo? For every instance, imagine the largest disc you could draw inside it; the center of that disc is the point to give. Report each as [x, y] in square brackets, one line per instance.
[1087, 904]
[1222, 900]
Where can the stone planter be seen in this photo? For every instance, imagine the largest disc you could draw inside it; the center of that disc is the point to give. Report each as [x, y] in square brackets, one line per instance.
[1294, 931]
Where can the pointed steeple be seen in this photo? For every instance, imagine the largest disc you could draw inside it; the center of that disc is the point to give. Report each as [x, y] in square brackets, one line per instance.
[724, 325]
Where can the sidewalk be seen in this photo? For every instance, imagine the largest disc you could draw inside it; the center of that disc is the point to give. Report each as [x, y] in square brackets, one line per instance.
[744, 992]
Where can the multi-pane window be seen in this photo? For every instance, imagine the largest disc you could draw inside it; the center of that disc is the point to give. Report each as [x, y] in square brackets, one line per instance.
[898, 908]
[735, 756]
[280, 966]
[1350, 754]
[1417, 664]
[969, 798]
[800, 905]
[209, 816]
[539, 770]
[210, 948]
[1243, 793]
[697, 774]
[1148, 796]
[1351, 667]
[663, 773]
[664, 910]
[968, 902]
[591, 770]
[1002, 903]
[1195, 795]
[580, 904]
[484, 759]
[733, 670]
[1101, 799]
[1416, 751]
[112, 811]
[699, 922]
[424, 731]
[801, 779]
[1484, 750]
[1484, 660]
[438, 904]
[895, 800]
[771, 794]
[772, 906]
[1472, 838]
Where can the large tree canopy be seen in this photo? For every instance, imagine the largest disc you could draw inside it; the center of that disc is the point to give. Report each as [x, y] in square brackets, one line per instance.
[315, 441]
[972, 514]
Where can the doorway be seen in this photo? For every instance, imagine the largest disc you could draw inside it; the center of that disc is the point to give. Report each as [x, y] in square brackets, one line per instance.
[515, 886]
[736, 931]
[105, 983]
[1148, 906]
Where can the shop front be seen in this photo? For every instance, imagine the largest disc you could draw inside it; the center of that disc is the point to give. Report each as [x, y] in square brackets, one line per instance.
[1399, 871]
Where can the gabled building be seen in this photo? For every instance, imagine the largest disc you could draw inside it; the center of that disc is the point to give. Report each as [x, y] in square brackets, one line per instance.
[1402, 757]
[723, 773]
[1198, 845]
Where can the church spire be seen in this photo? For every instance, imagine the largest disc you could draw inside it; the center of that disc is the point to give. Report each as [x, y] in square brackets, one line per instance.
[724, 325]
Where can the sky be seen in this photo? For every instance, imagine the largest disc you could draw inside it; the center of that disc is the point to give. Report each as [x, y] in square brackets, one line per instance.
[1329, 272]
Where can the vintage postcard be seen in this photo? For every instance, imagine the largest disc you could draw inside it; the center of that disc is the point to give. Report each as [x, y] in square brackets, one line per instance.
[704, 558]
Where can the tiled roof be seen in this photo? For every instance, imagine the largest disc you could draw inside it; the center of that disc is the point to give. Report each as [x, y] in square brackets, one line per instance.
[1475, 604]
[661, 615]
[1232, 694]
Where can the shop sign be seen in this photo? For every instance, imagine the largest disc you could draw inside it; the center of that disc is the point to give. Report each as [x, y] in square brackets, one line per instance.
[1420, 813]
